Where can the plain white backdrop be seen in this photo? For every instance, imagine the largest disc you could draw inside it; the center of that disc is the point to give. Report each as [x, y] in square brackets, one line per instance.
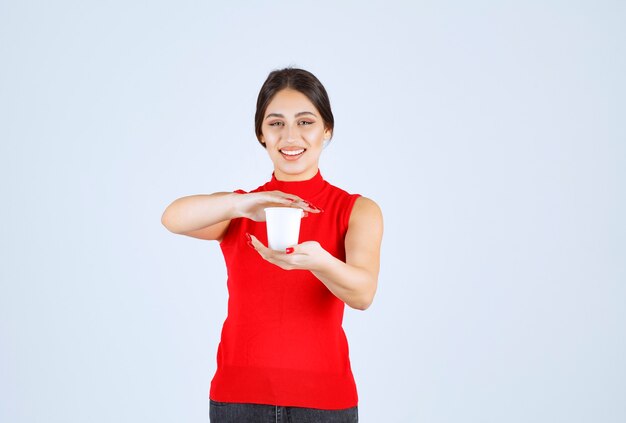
[490, 133]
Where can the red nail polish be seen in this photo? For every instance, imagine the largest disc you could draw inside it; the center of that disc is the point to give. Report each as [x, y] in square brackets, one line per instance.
[248, 237]
[289, 250]
[314, 207]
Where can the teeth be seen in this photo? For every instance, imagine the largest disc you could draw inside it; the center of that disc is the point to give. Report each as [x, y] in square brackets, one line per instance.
[292, 152]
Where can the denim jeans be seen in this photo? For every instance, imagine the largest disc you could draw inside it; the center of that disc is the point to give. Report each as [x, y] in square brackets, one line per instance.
[227, 412]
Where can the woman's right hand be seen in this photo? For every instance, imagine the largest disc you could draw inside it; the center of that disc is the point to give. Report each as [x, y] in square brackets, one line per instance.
[251, 205]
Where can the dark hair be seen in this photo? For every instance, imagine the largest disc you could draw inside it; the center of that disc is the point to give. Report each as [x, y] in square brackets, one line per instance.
[299, 80]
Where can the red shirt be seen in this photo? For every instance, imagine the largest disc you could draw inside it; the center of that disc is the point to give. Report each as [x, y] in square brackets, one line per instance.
[282, 342]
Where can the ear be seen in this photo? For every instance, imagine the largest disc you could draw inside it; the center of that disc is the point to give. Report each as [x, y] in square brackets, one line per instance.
[327, 134]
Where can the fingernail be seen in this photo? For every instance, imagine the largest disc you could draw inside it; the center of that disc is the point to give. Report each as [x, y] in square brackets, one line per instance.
[249, 241]
[312, 206]
[305, 213]
[289, 250]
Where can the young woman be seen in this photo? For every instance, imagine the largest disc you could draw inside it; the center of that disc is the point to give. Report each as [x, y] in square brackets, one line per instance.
[283, 354]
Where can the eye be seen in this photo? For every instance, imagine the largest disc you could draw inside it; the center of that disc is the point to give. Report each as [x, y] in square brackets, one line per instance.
[278, 123]
[305, 122]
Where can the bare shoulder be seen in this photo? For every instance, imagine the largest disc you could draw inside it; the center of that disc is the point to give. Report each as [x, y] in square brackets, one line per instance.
[365, 233]
[366, 210]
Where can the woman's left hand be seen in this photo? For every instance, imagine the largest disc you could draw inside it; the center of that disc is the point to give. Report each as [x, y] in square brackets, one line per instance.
[306, 256]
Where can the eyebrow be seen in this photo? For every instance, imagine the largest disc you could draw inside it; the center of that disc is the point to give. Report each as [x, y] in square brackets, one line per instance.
[296, 115]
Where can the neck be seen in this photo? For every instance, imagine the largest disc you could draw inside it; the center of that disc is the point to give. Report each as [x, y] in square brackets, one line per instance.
[303, 188]
[304, 176]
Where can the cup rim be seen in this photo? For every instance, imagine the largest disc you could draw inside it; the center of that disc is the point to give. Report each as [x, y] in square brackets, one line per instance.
[265, 209]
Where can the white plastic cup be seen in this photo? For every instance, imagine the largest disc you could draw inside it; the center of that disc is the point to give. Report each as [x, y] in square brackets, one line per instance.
[283, 226]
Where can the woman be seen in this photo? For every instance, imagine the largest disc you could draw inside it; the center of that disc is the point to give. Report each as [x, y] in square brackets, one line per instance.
[283, 355]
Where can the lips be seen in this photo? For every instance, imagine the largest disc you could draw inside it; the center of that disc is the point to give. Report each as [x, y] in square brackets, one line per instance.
[292, 153]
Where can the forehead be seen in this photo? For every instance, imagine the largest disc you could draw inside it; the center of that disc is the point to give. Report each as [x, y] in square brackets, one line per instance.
[289, 102]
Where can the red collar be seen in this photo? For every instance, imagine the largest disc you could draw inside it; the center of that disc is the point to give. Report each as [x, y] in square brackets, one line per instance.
[303, 189]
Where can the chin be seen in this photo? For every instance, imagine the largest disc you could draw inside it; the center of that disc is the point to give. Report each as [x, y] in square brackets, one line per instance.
[296, 169]
[293, 170]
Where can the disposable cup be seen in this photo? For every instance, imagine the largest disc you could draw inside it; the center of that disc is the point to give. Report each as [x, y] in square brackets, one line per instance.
[283, 226]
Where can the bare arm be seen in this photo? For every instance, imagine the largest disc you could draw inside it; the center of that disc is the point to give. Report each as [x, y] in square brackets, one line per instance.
[356, 280]
[201, 216]
[208, 216]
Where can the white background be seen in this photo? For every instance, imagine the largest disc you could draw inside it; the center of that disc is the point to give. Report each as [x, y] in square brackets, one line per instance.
[491, 134]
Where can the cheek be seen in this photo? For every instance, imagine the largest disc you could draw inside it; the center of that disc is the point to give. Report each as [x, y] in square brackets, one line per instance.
[271, 136]
[313, 134]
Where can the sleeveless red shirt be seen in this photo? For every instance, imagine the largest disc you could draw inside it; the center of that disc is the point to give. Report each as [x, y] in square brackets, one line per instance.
[282, 342]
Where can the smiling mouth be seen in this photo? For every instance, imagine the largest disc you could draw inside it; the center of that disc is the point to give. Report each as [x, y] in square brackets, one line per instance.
[292, 153]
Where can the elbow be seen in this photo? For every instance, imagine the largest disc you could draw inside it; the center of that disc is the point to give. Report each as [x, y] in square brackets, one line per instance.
[364, 298]
[164, 220]
[363, 302]
[360, 306]
[168, 222]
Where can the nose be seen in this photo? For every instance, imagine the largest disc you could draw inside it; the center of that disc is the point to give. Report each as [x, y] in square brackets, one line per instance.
[291, 134]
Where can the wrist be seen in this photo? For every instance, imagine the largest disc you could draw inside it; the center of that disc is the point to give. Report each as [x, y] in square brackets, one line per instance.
[235, 208]
[325, 263]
